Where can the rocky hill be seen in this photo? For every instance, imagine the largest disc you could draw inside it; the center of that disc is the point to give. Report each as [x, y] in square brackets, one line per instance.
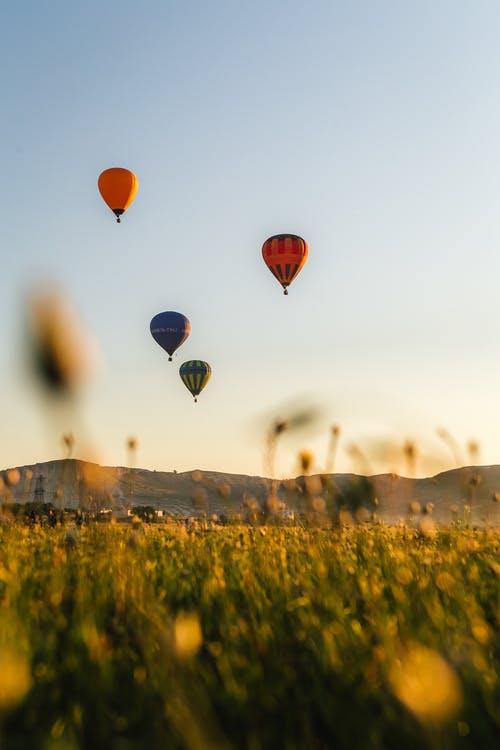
[469, 493]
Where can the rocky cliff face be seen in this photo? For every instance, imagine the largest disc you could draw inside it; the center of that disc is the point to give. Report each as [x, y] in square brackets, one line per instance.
[470, 494]
[71, 483]
[67, 483]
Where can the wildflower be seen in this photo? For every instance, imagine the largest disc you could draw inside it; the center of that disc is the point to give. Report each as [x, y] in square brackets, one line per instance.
[426, 684]
[187, 635]
[15, 679]
[318, 504]
[427, 527]
[12, 477]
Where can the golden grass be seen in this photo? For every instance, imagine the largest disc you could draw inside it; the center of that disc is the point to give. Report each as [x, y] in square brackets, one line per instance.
[202, 636]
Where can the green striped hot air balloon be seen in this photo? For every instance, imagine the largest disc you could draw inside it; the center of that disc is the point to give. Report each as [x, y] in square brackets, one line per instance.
[195, 374]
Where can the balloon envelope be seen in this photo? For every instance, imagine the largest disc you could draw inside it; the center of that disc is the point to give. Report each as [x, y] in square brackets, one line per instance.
[169, 330]
[118, 188]
[284, 255]
[195, 374]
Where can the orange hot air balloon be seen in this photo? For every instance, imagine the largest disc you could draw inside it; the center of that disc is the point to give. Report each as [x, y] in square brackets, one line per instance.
[284, 255]
[118, 188]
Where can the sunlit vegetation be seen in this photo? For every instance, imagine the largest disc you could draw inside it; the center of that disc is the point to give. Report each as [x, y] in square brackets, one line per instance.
[201, 636]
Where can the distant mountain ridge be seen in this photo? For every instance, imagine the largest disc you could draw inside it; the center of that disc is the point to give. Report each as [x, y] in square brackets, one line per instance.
[467, 493]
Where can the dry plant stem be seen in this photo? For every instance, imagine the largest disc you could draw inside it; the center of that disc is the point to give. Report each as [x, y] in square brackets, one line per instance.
[131, 461]
[332, 449]
[452, 445]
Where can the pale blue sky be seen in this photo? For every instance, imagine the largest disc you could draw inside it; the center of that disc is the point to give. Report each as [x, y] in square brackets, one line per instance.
[371, 129]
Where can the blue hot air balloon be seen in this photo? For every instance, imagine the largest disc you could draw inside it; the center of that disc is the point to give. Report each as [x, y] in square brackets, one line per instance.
[170, 330]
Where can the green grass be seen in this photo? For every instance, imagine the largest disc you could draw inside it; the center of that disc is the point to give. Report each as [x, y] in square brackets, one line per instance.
[167, 636]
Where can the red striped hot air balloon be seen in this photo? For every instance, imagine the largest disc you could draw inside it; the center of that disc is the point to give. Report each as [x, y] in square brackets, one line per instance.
[284, 255]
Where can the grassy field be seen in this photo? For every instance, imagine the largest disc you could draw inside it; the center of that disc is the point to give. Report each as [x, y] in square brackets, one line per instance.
[175, 636]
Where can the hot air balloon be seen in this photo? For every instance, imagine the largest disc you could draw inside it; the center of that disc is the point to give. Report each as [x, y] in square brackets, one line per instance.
[195, 374]
[118, 188]
[284, 255]
[170, 330]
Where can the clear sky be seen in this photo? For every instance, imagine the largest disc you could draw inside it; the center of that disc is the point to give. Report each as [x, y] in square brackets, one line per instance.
[370, 129]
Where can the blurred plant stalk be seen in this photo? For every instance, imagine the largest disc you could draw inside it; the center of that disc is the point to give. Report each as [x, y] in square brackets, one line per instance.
[62, 358]
[132, 443]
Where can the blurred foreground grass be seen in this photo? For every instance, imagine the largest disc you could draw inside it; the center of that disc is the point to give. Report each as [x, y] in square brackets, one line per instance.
[200, 636]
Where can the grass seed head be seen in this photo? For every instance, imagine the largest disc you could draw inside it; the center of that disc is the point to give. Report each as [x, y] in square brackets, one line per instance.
[69, 442]
[475, 480]
[273, 504]
[60, 352]
[306, 459]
